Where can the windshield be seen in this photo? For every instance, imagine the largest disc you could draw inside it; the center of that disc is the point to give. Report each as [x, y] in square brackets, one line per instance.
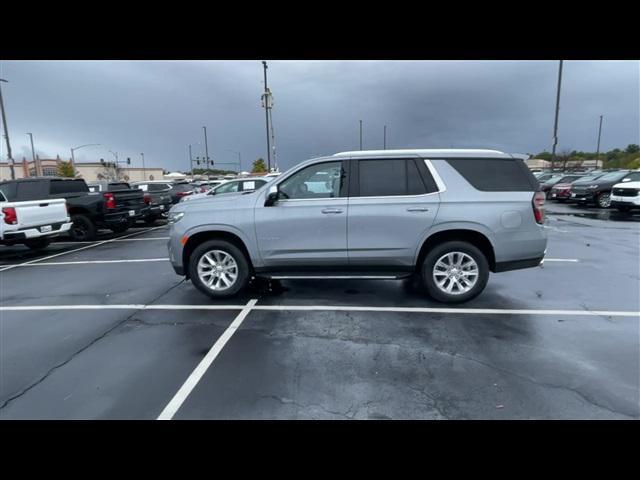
[632, 177]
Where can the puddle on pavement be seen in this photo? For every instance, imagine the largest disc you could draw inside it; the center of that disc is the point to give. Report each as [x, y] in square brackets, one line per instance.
[610, 215]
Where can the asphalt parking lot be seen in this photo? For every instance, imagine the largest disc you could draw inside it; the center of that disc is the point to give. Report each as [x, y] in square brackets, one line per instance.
[106, 330]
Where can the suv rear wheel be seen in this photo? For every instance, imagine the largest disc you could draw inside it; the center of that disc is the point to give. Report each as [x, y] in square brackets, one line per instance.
[455, 271]
[218, 268]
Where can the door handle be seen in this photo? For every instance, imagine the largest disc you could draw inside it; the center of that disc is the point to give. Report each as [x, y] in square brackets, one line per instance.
[417, 209]
[331, 210]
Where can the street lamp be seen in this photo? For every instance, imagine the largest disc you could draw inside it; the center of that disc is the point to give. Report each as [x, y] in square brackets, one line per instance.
[73, 158]
[6, 132]
[144, 171]
[33, 154]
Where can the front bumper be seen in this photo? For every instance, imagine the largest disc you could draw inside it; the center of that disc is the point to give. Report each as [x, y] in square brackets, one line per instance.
[36, 232]
[583, 197]
[617, 200]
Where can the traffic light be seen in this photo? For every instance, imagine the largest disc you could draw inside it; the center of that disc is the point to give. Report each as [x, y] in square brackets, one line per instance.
[128, 161]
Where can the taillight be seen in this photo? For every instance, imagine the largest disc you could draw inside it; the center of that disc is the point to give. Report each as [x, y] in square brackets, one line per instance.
[147, 198]
[111, 200]
[203, 189]
[538, 206]
[183, 194]
[10, 216]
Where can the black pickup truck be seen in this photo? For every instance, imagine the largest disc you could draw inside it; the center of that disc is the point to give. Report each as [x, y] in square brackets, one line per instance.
[115, 209]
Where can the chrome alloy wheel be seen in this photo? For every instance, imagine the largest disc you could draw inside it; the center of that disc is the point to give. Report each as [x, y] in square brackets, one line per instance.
[217, 270]
[455, 273]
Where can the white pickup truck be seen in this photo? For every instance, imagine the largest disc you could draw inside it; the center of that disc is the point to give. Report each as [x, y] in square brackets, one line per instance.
[33, 223]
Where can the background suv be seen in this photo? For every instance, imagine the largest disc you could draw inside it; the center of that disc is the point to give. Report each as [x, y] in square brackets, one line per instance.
[449, 216]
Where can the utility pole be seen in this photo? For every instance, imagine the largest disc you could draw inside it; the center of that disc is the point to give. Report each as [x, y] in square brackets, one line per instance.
[384, 140]
[555, 124]
[144, 170]
[6, 132]
[360, 134]
[190, 162]
[33, 154]
[206, 149]
[267, 101]
[598, 149]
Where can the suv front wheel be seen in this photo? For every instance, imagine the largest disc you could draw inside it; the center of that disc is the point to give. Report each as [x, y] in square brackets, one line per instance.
[455, 271]
[218, 268]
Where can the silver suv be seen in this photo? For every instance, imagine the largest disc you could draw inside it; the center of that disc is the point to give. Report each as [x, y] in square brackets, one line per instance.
[449, 216]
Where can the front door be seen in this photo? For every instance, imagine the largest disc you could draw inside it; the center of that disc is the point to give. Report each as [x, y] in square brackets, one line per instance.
[307, 226]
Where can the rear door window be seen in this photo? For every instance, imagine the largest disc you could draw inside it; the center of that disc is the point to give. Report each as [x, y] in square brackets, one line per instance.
[30, 190]
[495, 174]
[392, 177]
[68, 186]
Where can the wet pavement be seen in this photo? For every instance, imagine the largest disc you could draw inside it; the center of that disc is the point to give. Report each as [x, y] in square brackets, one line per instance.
[521, 350]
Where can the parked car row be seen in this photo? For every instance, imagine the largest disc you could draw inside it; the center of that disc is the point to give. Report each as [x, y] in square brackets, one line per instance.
[617, 189]
[37, 209]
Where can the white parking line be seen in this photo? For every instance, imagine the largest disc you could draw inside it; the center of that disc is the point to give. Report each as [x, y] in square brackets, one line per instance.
[182, 394]
[84, 262]
[89, 262]
[77, 249]
[574, 260]
[325, 308]
[118, 240]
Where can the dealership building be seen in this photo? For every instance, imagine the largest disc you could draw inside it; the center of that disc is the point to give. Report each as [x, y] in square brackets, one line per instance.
[90, 171]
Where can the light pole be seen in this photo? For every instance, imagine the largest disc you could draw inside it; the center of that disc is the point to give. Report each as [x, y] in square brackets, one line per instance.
[6, 132]
[267, 100]
[555, 123]
[206, 148]
[360, 134]
[73, 158]
[33, 154]
[384, 138]
[190, 162]
[598, 149]
[144, 171]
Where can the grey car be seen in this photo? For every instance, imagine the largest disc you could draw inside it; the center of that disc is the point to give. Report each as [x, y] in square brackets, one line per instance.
[449, 216]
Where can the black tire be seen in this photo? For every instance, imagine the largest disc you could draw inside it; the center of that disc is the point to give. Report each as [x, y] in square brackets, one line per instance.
[448, 247]
[123, 227]
[38, 244]
[603, 200]
[241, 261]
[82, 229]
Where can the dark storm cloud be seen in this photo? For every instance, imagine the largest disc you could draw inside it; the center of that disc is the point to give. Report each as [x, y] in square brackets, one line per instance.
[160, 107]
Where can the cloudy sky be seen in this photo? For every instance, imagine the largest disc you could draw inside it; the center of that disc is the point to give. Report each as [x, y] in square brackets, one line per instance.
[159, 107]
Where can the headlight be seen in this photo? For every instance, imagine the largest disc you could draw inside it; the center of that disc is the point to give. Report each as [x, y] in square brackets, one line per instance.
[593, 187]
[175, 217]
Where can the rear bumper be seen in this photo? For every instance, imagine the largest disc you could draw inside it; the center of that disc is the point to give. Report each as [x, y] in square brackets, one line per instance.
[118, 218]
[36, 232]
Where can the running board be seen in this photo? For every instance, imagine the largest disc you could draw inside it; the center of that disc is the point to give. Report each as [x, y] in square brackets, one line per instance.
[330, 276]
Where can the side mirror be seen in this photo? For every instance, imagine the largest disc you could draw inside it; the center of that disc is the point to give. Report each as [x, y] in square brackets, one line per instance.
[272, 196]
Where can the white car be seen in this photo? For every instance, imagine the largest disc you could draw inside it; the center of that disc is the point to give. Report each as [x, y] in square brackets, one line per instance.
[232, 186]
[625, 196]
[33, 222]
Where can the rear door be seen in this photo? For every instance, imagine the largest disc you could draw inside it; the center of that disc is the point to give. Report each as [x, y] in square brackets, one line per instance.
[392, 203]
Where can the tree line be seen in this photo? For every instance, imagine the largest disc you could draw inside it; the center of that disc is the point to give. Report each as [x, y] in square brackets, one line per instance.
[616, 158]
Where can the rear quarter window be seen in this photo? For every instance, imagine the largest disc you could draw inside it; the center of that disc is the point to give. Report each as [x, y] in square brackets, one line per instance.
[495, 175]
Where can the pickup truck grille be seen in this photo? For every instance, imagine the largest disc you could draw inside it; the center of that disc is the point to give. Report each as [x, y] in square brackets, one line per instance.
[626, 192]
